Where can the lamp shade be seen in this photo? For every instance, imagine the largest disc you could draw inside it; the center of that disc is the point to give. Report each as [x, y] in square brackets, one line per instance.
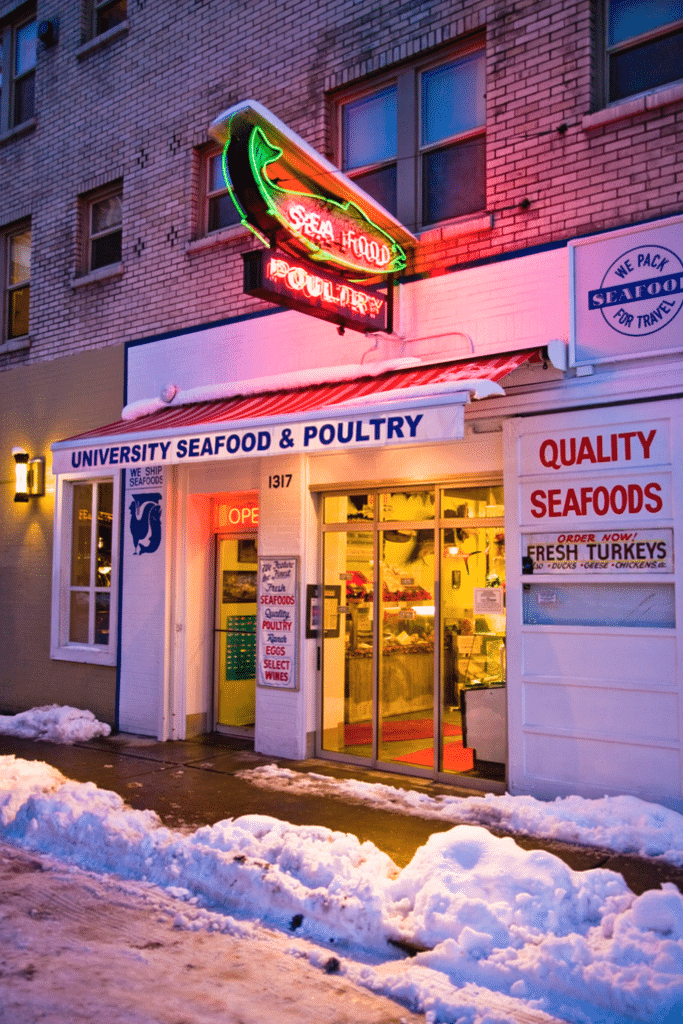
[20, 456]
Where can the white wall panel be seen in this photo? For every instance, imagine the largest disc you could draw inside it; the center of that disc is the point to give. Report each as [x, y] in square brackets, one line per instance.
[596, 766]
[144, 615]
[619, 658]
[640, 715]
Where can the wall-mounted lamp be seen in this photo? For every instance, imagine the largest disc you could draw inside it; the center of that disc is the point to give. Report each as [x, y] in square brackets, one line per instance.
[29, 475]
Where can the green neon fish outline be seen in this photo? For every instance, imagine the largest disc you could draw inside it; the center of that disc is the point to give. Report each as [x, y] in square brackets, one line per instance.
[262, 153]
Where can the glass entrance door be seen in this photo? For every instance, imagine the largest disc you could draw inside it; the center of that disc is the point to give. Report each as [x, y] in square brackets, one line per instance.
[235, 632]
[414, 630]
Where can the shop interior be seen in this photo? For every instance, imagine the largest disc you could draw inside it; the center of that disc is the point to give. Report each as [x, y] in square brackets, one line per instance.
[414, 630]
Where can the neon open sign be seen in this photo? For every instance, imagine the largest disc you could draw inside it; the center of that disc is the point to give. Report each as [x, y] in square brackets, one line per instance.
[280, 203]
[306, 287]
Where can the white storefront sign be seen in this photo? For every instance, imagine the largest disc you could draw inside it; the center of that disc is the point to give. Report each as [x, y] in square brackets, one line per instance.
[393, 425]
[601, 551]
[276, 623]
[627, 292]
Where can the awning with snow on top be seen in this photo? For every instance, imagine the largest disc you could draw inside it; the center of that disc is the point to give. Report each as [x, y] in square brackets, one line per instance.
[406, 405]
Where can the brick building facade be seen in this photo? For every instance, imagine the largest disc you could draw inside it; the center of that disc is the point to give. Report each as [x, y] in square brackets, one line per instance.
[123, 273]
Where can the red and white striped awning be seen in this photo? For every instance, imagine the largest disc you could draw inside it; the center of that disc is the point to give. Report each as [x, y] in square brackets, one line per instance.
[434, 385]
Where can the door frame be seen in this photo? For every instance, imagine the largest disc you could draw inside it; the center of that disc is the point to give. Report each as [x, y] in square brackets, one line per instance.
[439, 486]
[244, 731]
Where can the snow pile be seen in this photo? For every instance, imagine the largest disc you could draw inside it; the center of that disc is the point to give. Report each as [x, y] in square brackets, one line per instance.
[505, 934]
[623, 824]
[54, 723]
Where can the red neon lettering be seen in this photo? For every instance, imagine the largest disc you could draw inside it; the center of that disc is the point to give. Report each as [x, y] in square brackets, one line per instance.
[297, 279]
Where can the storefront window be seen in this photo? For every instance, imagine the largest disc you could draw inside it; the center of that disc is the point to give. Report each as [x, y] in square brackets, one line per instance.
[404, 672]
[82, 623]
[349, 508]
[91, 534]
[399, 506]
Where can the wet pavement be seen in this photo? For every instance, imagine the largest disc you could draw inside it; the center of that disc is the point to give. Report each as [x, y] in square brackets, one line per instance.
[191, 783]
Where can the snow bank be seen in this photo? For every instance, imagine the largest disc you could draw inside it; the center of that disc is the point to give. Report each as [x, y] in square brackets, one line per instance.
[623, 824]
[54, 723]
[501, 929]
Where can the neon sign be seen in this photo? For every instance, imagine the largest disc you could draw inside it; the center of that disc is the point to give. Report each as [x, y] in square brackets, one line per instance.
[289, 196]
[306, 287]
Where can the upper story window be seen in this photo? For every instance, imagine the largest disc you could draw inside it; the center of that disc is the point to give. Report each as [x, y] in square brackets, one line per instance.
[218, 209]
[105, 14]
[17, 277]
[104, 218]
[644, 45]
[417, 142]
[17, 73]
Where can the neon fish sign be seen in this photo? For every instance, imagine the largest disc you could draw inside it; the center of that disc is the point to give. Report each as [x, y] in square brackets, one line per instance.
[288, 194]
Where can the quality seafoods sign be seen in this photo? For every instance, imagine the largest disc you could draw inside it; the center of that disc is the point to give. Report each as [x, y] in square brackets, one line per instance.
[606, 473]
[377, 428]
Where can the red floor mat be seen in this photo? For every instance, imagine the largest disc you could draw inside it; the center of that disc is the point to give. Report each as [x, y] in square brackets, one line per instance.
[456, 758]
[358, 733]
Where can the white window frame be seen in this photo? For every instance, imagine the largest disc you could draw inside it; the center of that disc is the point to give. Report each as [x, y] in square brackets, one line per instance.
[8, 38]
[410, 150]
[88, 204]
[6, 236]
[94, 8]
[61, 648]
[632, 43]
[206, 194]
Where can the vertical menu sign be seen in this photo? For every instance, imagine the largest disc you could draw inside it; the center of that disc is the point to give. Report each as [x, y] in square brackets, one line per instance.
[277, 622]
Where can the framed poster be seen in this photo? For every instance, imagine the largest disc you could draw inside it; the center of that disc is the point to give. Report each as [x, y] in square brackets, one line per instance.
[277, 622]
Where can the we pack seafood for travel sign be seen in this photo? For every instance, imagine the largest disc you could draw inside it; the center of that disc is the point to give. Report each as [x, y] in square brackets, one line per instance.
[627, 293]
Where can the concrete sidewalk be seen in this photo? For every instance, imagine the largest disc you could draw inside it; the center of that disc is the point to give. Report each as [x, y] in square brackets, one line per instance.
[193, 783]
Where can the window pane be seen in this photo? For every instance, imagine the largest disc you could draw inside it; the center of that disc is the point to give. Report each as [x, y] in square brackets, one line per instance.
[106, 214]
[397, 506]
[454, 180]
[17, 314]
[80, 535]
[600, 604]
[472, 503]
[381, 185]
[646, 66]
[216, 176]
[369, 129]
[25, 49]
[222, 212]
[345, 509]
[109, 15]
[106, 250]
[24, 90]
[20, 257]
[102, 602]
[453, 98]
[78, 617]
[628, 18]
[105, 497]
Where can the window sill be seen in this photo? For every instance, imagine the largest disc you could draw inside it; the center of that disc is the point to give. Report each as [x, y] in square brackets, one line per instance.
[635, 105]
[15, 344]
[453, 229]
[96, 276]
[103, 39]
[216, 238]
[21, 129]
[85, 655]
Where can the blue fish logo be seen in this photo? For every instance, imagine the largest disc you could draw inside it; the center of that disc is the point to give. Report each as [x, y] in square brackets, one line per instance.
[145, 522]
